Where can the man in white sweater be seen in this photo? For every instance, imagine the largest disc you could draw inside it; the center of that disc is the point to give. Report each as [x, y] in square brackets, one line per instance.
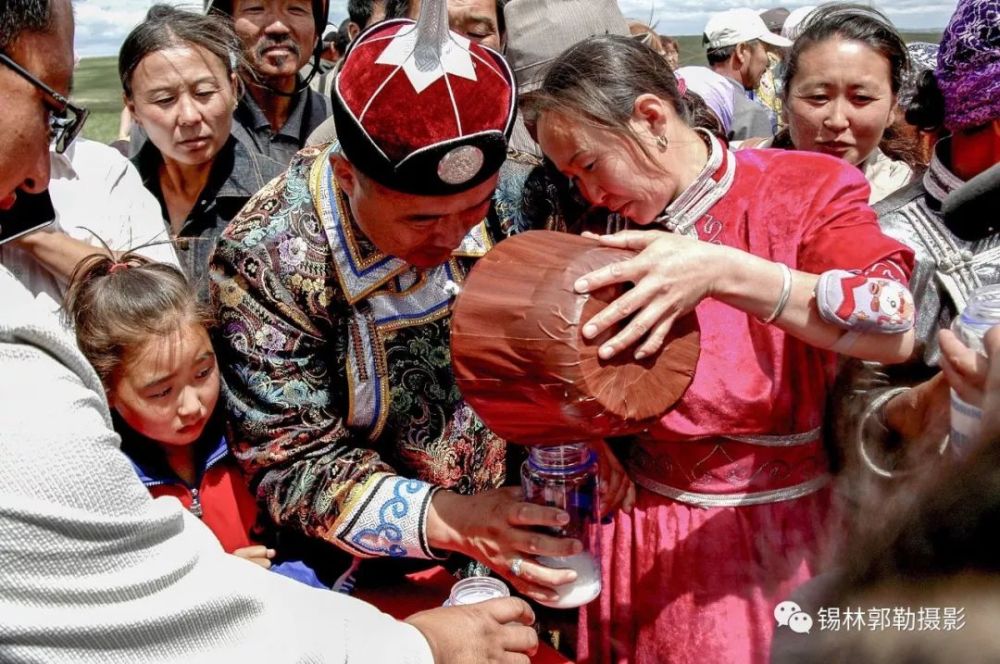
[91, 568]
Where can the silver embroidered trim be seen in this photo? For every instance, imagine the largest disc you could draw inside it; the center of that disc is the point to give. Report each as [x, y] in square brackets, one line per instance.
[354, 282]
[953, 266]
[732, 499]
[682, 214]
[432, 35]
[395, 310]
[789, 440]
[366, 401]
[938, 180]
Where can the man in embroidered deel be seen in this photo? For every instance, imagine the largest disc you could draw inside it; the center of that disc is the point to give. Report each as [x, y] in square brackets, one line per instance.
[334, 288]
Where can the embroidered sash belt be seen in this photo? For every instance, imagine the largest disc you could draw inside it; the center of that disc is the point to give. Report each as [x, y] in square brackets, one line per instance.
[732, 471]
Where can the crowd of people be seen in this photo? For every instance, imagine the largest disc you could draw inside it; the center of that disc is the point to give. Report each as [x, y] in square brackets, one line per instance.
[227, 402]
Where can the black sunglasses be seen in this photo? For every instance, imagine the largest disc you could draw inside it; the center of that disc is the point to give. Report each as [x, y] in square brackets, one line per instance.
[66, 121]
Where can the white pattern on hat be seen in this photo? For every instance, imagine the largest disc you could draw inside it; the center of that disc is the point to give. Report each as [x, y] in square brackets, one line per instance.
[397, 92]
[455, 59]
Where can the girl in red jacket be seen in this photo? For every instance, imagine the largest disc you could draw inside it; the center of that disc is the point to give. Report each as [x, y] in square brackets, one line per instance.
[144, 331]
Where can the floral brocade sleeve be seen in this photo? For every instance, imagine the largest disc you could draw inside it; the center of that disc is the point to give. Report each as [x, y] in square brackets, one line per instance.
[280, 334]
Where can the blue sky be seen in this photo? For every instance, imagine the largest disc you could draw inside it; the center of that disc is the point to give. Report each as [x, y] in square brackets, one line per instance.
[101, 25]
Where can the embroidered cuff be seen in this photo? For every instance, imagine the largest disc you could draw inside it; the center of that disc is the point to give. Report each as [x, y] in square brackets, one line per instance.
[388, 519]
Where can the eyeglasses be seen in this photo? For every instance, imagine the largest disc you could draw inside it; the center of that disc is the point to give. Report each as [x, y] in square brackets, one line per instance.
[66, 120]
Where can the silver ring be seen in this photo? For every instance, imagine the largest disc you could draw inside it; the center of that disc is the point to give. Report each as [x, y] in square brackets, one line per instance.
[515, 566]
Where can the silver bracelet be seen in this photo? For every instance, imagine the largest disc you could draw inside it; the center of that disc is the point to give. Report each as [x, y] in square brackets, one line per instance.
[786, 291]
[876, 411]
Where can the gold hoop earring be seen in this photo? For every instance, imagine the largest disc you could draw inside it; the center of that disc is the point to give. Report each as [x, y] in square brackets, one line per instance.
[661, 142]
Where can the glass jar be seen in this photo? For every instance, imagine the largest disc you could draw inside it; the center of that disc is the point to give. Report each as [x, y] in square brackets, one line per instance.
[476, 589]
[565, 476]
[981, 313]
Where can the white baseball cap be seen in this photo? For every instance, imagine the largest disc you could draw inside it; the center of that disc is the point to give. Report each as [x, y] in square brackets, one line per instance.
[736, 26]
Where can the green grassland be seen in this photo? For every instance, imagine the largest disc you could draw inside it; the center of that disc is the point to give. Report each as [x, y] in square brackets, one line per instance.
[96, 84]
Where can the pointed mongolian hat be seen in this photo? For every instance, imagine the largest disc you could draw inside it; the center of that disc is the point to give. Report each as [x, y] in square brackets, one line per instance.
[422, 110]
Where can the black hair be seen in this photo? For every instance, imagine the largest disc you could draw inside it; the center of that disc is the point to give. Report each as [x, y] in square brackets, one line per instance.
[853, 23]
[166, 27]
[320, 11]
[343, 37]
[926, 109]
[397, 9]
[860, 23]
[599, 79]
[19, 16]
[360, 12]
[702, 116]
[716, 56]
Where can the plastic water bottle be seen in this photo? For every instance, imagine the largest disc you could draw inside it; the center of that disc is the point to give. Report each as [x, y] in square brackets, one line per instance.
[476, 589]
[981, 313]
[565, 476]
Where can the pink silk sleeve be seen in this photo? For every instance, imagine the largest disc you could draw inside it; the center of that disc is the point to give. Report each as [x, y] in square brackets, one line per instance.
[842, 232]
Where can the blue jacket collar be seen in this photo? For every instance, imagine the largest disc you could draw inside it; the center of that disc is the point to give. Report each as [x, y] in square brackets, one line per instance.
[148, 461]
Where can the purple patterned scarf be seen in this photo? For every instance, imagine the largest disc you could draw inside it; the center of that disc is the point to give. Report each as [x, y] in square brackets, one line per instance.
[968, 70]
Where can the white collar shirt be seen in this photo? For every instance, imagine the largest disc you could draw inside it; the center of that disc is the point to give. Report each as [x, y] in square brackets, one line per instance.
[96, 193]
